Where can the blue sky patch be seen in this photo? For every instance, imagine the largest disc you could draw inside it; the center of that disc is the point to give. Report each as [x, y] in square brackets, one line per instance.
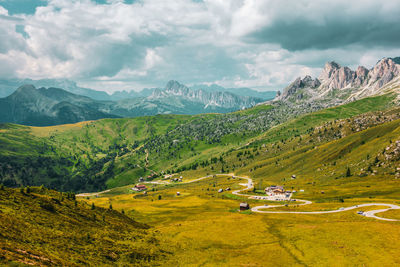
[22, 6]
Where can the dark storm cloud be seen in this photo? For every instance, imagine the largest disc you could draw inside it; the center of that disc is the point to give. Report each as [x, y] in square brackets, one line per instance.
[332, 26]
[302, 35]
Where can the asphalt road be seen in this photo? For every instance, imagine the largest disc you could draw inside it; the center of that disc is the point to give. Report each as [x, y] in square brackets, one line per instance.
[262, 209]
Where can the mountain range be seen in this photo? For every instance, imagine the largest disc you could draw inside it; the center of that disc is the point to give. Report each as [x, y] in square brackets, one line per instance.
[51, 106]
[337, 84]
[8, 86]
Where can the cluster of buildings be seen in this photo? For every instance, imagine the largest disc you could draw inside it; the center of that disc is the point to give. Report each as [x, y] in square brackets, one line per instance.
[177, 179]
[139, 188]
[277, 192]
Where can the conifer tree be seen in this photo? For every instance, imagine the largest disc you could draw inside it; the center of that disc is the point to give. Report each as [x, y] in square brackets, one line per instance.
[348, 172]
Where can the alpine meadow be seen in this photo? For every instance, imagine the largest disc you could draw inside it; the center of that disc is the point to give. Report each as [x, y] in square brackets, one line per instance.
[199, 133]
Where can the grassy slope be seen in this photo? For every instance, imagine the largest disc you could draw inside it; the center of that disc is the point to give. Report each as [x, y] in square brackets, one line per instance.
[45, 228]
[113, 152]
[303, 123]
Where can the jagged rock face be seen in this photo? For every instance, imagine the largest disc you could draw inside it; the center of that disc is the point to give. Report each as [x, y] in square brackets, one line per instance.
[336, 77]
[361, 76]
[383, 72]
[341, 84]
[295, 87]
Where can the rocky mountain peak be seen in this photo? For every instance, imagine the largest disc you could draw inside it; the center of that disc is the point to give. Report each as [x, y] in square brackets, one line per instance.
[334, 76]
[332, 65]
[329, 69]
[383, 72]
[26, 92]
[294, 89]
[25, 88]
[176, 88]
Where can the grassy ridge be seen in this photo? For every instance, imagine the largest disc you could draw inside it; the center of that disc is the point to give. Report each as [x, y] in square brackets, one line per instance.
[43, 227]
[303, 123]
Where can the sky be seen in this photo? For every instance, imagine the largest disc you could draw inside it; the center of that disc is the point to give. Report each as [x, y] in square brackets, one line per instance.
[114, 45]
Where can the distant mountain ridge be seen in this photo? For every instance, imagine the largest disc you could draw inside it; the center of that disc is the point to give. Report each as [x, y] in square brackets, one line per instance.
[209, 99]
[42, 107]
[7, 87]
[338, 84]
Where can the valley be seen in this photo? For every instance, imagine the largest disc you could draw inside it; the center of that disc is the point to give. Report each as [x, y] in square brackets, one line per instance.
[210, 230]
[199, 133]
[338, 162]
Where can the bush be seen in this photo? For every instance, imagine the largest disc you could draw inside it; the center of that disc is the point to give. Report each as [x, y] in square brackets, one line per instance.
[48, 206]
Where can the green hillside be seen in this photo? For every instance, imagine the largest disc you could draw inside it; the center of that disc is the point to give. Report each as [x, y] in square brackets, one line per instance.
[93, 156]
[341, 156]
[46, 228]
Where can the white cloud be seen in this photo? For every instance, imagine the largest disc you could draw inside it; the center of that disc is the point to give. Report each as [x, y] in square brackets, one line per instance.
[3, 11]
[231, 42]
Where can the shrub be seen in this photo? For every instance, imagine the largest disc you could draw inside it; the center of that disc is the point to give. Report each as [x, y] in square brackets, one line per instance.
[48, 206]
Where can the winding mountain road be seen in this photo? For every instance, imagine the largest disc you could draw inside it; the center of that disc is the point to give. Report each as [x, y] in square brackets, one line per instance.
[261, 209]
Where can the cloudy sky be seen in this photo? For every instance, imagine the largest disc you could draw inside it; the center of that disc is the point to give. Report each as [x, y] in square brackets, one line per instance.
[115, 44]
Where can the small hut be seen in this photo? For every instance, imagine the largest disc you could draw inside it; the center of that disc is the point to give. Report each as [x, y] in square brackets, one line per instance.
[244, 206]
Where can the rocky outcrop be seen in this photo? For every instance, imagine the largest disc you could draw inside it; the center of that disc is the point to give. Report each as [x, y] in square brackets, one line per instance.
[341, 84]
[383, 72]
[336, 77]
[295, 89]
[361, 76]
